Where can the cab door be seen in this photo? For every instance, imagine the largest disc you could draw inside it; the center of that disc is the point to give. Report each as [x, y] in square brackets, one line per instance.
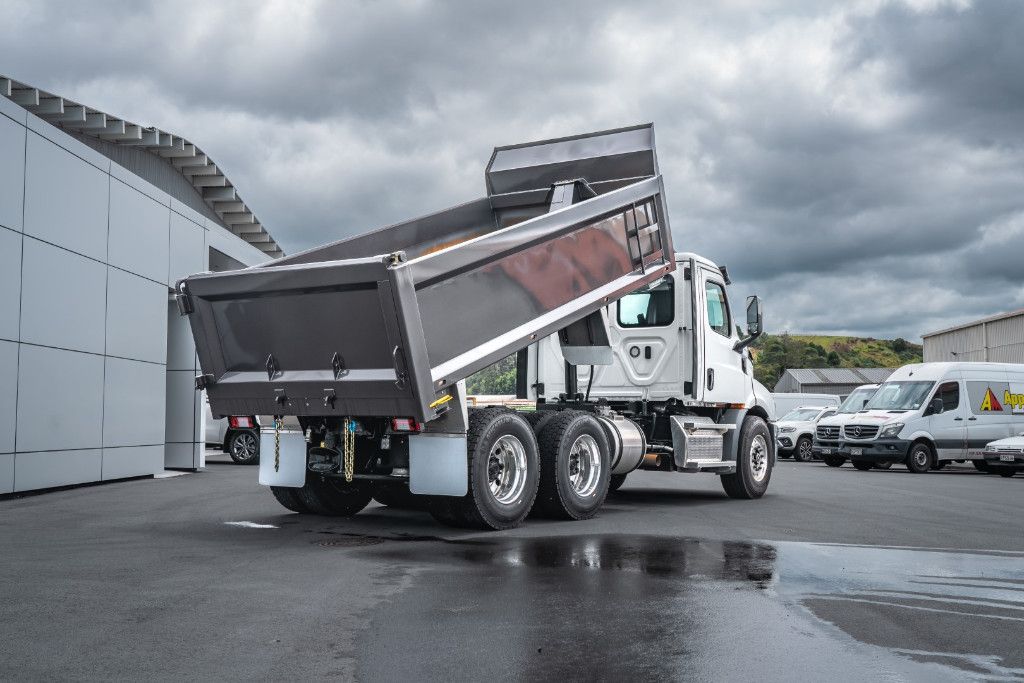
[949, 427]
[725, 379]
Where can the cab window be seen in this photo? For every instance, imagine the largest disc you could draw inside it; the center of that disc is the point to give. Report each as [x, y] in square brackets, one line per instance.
[652, 306]
[950, 395]
[718, 308]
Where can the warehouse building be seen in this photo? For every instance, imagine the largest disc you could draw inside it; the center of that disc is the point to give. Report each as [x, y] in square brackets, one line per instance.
[835, 381]
[98, 218]
[997, 339]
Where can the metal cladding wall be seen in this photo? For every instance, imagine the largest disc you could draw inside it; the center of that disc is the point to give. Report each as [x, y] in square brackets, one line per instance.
[96, 375]
[999, 339]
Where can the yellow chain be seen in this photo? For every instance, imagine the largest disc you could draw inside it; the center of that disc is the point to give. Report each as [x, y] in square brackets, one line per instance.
[277, 444]
[349, 449]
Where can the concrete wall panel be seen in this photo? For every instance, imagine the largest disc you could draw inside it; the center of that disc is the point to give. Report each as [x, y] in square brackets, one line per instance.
[56, 468]
[182, 407]
[60, 400]
[184, 456]
[136, 317]
[63, 298]
[10, 283]
[138, 240]
[6, 472]
[8, 395]
[133, 403]
[188, 249]
[181, 348]
[65, 199]
[12, 173]
[132, 461]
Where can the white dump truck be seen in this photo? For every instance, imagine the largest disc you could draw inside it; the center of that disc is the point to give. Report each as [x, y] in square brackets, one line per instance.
[357, 351]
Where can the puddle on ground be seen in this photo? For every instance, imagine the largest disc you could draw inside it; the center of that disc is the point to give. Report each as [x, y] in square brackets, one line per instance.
[611, 606]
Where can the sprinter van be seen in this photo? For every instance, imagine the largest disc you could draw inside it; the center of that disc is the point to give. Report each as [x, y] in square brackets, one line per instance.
[928, 414]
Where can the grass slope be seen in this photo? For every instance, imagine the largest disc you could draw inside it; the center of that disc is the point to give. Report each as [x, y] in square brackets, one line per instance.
[773, 354]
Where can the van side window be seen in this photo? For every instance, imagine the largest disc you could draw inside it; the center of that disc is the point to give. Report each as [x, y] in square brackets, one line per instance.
[950, 395]
[718, 308]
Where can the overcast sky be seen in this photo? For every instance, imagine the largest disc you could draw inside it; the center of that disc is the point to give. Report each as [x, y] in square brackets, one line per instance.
[860, 166]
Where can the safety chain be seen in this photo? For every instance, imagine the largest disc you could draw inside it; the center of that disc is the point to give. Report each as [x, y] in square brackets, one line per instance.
[349, 448]
[277, 443]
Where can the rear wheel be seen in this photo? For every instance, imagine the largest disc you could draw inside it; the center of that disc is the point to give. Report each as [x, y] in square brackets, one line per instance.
[803, 451]
[920, 458]
[862, 465]
[244, 447]
[288, 498]
[503, 474]
[575, 466]
[981, 466]
[334, 497]
[833, 460]
[616, 481]
[1007, 473]
[753, 461]
[399, 497]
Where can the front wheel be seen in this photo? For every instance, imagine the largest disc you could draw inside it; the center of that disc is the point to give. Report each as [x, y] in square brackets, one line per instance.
[1007, 473]
[244, 447]
[754, 461]
[803, 452]
[882, 465]
[862, 465]
[920, 458]
[833, 460]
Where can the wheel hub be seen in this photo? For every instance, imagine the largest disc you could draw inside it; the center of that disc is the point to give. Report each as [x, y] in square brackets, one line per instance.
[758, 458]
[506, 469]
[584, 465]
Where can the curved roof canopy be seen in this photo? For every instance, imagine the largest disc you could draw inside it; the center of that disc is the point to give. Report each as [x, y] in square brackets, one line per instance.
[209, 181]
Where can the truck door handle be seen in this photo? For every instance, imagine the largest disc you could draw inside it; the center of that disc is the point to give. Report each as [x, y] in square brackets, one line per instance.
[647, 352]
[711, 379]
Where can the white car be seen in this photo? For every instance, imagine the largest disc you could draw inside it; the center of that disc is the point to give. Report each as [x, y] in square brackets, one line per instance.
[796, 430]
[1005, 457]
[238, 436]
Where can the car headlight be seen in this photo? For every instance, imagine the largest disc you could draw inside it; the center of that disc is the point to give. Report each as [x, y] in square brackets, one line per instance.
[787, 430]
[891, 431]
[990, 449]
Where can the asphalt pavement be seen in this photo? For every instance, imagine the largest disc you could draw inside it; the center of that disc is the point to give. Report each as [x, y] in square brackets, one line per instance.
[835, 573]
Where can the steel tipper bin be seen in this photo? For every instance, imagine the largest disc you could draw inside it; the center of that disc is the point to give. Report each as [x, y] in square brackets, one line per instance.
[385, 324]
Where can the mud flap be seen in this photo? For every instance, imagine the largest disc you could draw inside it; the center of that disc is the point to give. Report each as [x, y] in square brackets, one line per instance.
[289, 468]
[438, 465]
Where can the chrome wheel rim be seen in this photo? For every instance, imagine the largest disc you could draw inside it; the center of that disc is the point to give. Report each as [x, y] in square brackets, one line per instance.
[243, 446]
[584, 465]
[506, 469]
[758, 458]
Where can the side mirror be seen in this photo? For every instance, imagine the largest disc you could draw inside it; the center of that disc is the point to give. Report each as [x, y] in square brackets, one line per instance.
[755, 317]
[935, 407]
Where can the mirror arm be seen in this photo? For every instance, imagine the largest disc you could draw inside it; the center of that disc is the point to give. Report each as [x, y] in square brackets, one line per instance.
[746, 341]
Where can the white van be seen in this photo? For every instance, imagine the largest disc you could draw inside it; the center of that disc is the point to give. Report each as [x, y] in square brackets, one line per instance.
[828, 439]
[927, 414]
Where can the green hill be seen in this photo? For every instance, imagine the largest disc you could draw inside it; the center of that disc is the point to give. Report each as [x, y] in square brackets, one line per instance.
[773, 354]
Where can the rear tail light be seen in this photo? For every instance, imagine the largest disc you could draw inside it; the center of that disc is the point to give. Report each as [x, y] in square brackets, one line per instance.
[240, 422]
[404, 424]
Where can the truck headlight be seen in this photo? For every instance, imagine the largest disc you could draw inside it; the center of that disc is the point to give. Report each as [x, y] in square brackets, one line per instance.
[891, 431]
[787, 430]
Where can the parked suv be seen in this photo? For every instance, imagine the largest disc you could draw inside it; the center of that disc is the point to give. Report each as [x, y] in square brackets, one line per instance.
[796, 431]
[238, 435]
[828, 439]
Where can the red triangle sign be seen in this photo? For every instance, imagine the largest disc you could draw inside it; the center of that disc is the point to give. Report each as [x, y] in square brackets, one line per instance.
[990, 402]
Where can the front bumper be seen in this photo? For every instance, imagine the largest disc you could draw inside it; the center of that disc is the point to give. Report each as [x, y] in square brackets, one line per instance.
[822, 448]
[994, 460]
[785, 443]
[880, 450]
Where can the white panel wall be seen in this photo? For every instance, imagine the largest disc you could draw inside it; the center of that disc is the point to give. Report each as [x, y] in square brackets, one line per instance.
[10, 283]
[65, 199]
[63, 298]
[12, 172]
[96, 367]
[138, 232]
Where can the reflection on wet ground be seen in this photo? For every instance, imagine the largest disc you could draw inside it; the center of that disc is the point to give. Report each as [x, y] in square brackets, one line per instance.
[608, 607]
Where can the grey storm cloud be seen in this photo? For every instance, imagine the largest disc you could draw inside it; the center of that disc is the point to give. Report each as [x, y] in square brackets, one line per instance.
[859, 165]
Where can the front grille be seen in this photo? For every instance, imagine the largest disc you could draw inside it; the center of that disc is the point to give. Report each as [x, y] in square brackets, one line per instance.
[828, 432]
[1010, 449]
[860, 431]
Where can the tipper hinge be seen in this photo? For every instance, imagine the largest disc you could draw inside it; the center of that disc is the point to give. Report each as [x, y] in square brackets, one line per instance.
[272, 369]
[182, 299]
[203, 381]
[338, 365]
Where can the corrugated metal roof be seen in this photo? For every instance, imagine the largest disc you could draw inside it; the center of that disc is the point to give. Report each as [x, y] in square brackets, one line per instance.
[854, 376]
[184, 157]
[990, 319]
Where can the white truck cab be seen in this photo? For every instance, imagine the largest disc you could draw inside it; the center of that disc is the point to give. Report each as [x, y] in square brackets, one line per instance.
[828, 440]
[928, 414]
[796, 428]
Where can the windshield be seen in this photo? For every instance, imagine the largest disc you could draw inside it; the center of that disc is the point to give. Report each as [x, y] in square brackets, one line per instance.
[855, 401]
[900, 396]
[801, 414]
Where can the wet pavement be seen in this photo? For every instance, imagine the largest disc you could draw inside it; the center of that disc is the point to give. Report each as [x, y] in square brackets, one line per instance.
[837, 574]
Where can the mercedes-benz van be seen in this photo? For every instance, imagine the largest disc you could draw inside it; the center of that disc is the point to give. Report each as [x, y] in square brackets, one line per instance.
[828, 442]
[929, 413]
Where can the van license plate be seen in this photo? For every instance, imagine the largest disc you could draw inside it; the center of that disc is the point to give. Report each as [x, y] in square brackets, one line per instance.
[1006, 457]
[856, 451]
